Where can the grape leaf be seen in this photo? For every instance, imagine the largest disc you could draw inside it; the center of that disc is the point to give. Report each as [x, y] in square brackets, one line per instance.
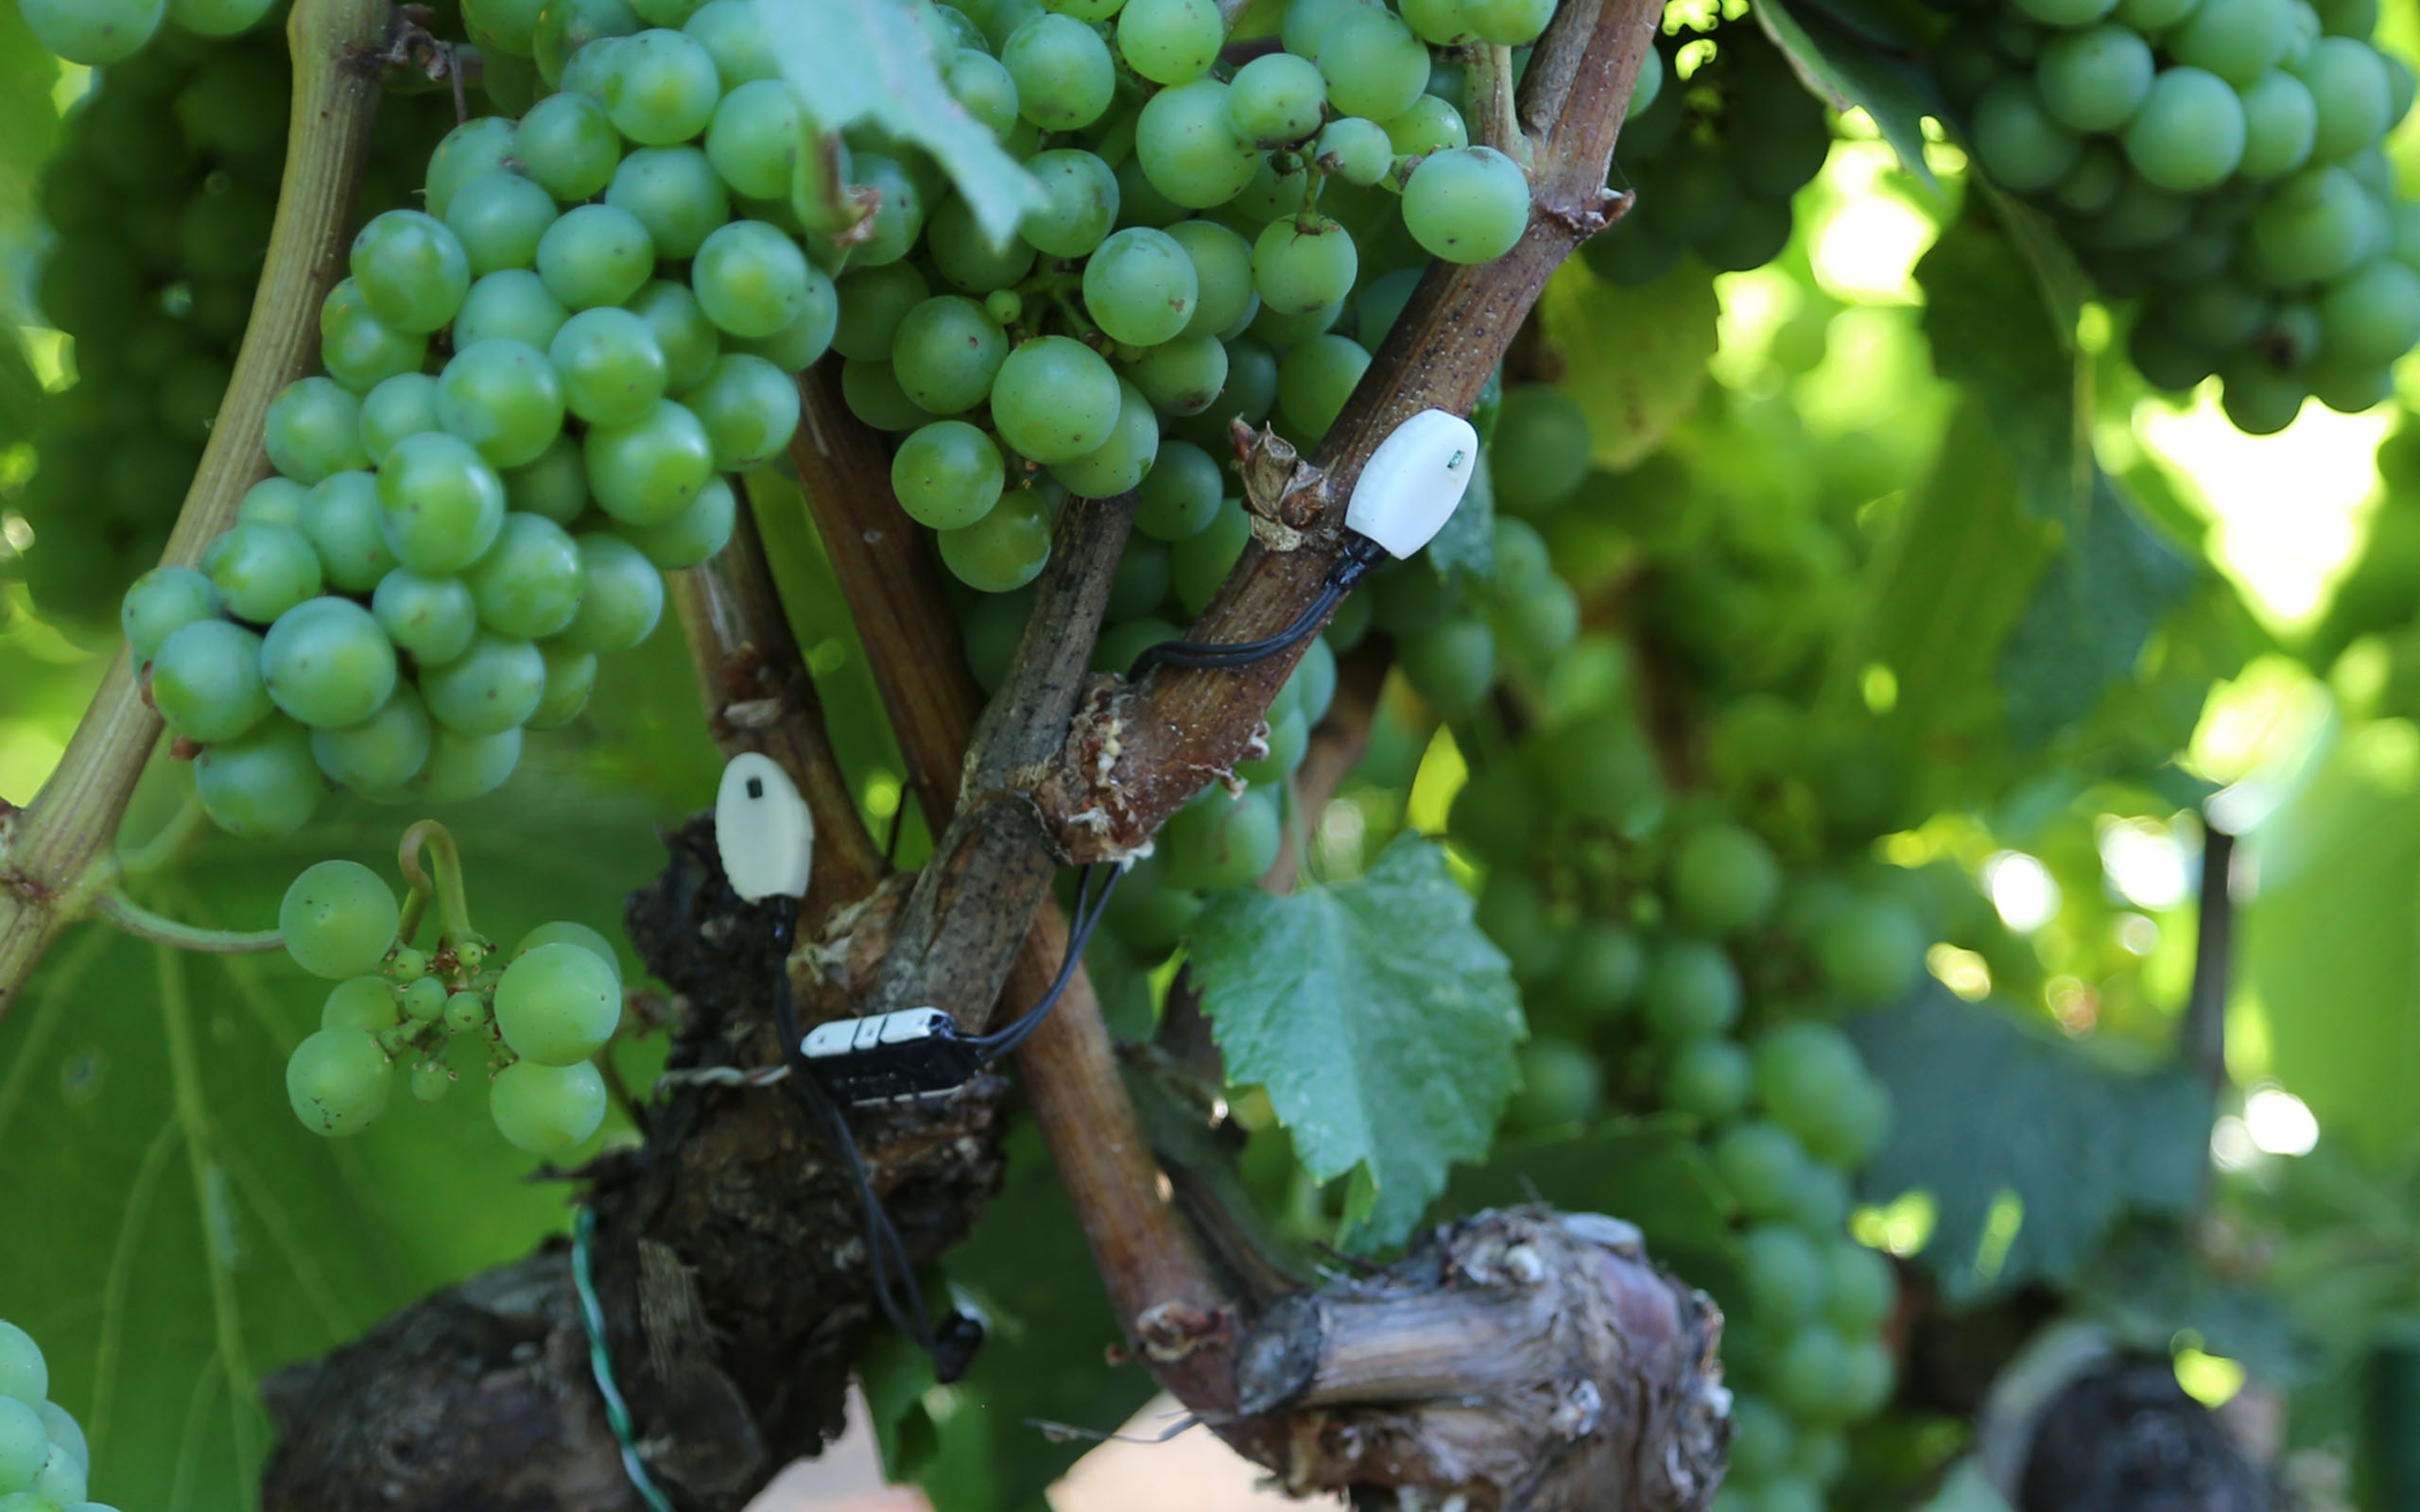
[1850, 67]
[2093, 612]
[1992, 331]
[174, 1232]
[1379, 1017]
[1989, 1109]
[854, 61]
[1633, 357]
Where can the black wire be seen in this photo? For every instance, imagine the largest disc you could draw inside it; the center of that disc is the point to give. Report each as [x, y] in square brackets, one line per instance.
[886, 1255]
[1361, 555]
[1084, 918]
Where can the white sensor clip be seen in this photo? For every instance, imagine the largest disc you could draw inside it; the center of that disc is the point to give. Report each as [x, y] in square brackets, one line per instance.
[1413, 481]
[763, 830]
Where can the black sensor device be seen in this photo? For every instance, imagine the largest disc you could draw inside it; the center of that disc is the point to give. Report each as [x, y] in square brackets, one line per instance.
[891, 1056]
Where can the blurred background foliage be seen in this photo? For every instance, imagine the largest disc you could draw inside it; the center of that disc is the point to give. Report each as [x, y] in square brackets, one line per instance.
[1846, 467]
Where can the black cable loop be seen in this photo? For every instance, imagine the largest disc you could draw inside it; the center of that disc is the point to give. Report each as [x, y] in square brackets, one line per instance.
[1361, 555]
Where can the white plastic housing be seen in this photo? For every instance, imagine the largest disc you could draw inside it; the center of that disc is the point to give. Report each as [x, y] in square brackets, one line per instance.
[846, 1035]
[763, 829]
[1414, 480]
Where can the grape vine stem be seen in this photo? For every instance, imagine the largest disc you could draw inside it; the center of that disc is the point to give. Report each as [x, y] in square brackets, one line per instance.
[143, 923]
[54, 854]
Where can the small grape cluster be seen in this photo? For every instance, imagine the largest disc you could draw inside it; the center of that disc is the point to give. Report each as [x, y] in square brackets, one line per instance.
[1715, 156]
[443, 554]
[99, 32]
[2224, 159]
[543, 1013]
[161, 196]
[44, 1462]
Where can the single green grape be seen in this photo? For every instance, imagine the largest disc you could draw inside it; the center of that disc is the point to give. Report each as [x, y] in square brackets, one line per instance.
[1315, 380]
[571, 677]
[431, 1079]
[1080, 202]
[24, 1445]
[499, 218]
[313, 429]
[1184, 376]
[1762, 1165]
[1219, 841]
[25, 1376]
[1188, 146]
[2190, 134]
[1065, 75]
[1356, 149]
[1004, 550]
[611, 366]
[359, 350]
[1140, 286]
[557, 1003]
[482, 145]
[621, 595]
[946, 352]
[412, 270]
[1302, 265]
[1560, 1083]
[1692, 991]
[444, 503]
[675, 194]
[529, 583]
[1708, 1078]
[1374, 63]
[161, 602]
[2280, 125]
[462, 766]
[423, 1000]
[752, 140]
[693, 536]
[337, 1082]
[984, 86]
[503, 398]
[548, 1110]
[381, 753]
[1467, 204]
[1119, 463]
[1180, 494]
[512, 305]
[594, 255]
[1723, 879]
[492, 687]
[1277, 99]
[465, 1012]
[2094, 79]
[689, 340]
[327, 664]
[273, 501]
[1450, 664]
[1055, 400]
[661, 87]
[2018, 142]
[948, 474]
[646, 470]
[1200, 563]
[430, 615]
[338, 919]
[750, 278]
[403, 405]
[1169, 41]
[750, 409]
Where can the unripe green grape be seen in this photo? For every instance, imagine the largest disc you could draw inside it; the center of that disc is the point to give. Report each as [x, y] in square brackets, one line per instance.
[661, 88]
[1374, 63]
[948, 474]
[1316, 378]
[1140, 287]
[2190, 134]
[510, 25]
[206, 681]
[2096, 78]
[1277, 99]
[557, 1003]
[1723, 879]
[1542, 435]
[690, 538]
[611, 366]
[261, 571]
[1183, 376]
[368, 1004]
[1786, 1275]
[750, 278]
[1761, 1440]
[1188, 146]
[313, 429]
[646, 470]
[2317, 224]
[412, 270]
[356, 348]
[382, 752]
[1120, 462]
[462, 766]
[1220, 841]
[947, 353]
[734, 35]
[1708, 1078]
[1508, 23]
[498, 217]
[1451, 666]
[1180, 494]
[529, 583]
[2258, 397]
[983, 85]
[675, 194]
[567, 144]
[465, 1012]
[796, 346]
[1055, 400]
[2373, 316]
[1561, 1083]
[431, 616]
[689, 340]
[1860, 1288]
[2349, 83]
[968, 258]
[548, 1110]
[1762, 1165]
[1302, 266]
[1171, 41]
[1467, 204]
[492, 686]
[327, 664]
[568, 932]
[571, 677]
[503, 398]
[594, 255]
[1064, 73]
[403, 405]
[1429, 126]
[161, 602]
[871, 302]
[2281, 123]
[338, 919]
[752, 140]
[1221, 262]
[482, 145]
[1871, 950]
[1692, 992]
[2237, 40]
[273, 501]
[1079, 204]
[621, 595]
[442, 503]
[431, 1079]
[873, 393]
[1004, 550]
[512, 305]
[749, 407]
[1355, 149]
[2021, 143]
[1441, 23]
[424, 1000]
[337, 1081]
[565, 30]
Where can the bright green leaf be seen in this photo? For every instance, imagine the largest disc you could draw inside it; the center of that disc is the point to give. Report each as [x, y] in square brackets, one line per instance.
[2028, 1146]
[854, 61]
[1379, 1019]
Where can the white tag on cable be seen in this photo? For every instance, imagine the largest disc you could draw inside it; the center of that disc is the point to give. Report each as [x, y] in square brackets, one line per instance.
[1413, 481]
[763, 830]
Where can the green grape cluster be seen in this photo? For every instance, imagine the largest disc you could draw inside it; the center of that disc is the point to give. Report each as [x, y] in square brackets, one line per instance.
[45, 1463]
[160, 199]
[535, 385]
[100, 33]
[540, 1014]
[1715, 156]
[2223, 160]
